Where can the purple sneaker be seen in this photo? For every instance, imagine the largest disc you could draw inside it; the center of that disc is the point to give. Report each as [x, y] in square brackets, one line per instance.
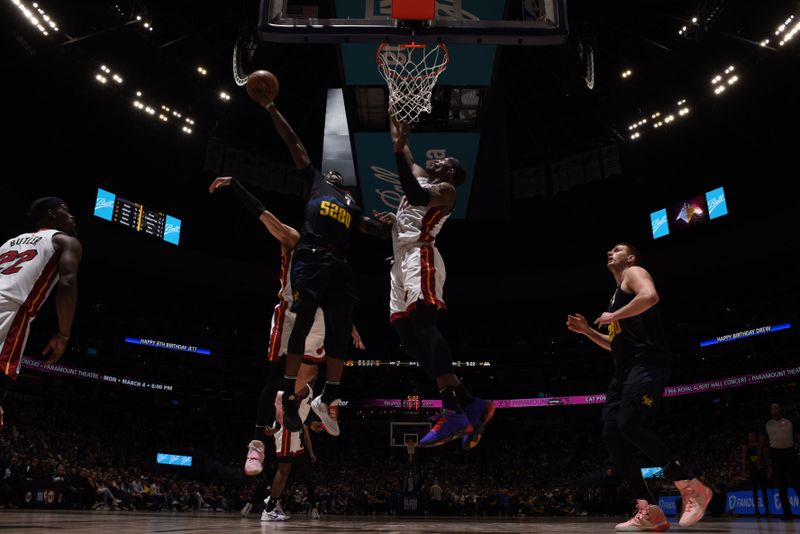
[449, 426]
[479, 412]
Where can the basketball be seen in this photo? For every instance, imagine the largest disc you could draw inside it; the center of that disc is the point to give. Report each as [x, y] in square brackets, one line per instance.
[262, 86]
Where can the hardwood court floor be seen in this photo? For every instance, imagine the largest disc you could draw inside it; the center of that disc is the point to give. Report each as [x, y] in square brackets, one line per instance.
[66, 522]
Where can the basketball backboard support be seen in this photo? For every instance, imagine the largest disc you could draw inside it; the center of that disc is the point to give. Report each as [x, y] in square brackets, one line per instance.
[501, 22]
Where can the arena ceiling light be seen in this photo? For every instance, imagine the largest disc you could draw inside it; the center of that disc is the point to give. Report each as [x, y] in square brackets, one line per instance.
[721, 82]
[202, 70]
[106, 73]
[790, 34]
[147, 25]
[627, 73]
[224, 96]
[161, 113]
[658, 120]
[37, 17]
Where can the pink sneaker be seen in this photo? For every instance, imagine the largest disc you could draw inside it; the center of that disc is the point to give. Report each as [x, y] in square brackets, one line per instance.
[695, 496]
[648, 518]
[255, 458]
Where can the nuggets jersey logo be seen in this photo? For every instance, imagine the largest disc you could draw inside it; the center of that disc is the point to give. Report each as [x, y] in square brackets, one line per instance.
[647, 400]
[613, 329]
[338, 213]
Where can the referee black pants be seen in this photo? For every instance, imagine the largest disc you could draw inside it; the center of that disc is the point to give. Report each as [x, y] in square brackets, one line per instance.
[786, 470]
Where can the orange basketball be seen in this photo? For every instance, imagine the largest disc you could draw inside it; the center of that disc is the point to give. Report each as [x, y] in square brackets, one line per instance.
[262, 86]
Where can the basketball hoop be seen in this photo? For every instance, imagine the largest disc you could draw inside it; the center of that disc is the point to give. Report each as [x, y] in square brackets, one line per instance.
[411, 71]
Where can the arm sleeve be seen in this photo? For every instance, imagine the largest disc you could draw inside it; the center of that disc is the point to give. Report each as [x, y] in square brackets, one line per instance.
[376, 228]
[415, 193]
[251, 203]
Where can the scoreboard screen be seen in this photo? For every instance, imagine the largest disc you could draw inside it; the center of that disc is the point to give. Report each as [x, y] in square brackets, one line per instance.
[112, 208]
[689, 213]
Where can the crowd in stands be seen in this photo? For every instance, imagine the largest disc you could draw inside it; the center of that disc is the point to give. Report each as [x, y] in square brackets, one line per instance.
[523, 467]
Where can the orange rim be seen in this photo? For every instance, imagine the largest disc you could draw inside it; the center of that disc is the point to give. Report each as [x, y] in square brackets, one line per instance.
[393, 74]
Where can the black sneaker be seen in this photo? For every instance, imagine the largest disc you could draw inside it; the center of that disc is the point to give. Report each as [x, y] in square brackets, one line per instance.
[291, 417]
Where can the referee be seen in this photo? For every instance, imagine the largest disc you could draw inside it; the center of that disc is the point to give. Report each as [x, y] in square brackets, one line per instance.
[782, 454]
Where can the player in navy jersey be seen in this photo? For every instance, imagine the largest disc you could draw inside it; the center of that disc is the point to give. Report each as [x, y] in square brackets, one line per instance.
[642, 363]
[282, 324]
[321, 276]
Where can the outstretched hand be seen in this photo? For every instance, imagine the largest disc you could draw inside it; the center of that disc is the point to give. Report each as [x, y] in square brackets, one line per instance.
[577, 323]
[384, 216]
[221, 181]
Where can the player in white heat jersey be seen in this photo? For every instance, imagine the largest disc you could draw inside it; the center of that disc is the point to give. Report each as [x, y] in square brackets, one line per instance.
[30, 266]
[418, 277]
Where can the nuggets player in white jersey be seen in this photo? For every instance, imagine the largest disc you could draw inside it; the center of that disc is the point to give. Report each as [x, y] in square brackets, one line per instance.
[32, 264]
[281, 327]
[418, 276]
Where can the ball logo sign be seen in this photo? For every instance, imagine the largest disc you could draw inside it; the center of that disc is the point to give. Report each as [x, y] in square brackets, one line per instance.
[104, 204]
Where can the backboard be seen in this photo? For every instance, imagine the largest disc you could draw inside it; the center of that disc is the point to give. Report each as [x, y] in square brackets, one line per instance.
[402, 431]
[505, 22]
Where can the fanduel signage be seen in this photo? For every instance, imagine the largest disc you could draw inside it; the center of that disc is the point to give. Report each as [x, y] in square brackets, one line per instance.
[741, 502]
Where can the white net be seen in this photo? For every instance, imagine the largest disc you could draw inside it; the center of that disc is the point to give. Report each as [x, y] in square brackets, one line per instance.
[411, 72]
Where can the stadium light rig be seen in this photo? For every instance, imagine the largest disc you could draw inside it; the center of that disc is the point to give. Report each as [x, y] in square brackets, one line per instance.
[657, 120]
[164, 113]
[145, 24]
[42, 22]
[721, 82]
[787, 35]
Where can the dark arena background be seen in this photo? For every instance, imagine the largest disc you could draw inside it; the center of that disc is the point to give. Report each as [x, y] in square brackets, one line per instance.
[669, 124]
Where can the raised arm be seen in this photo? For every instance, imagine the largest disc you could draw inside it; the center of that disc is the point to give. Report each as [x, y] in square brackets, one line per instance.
[67, 295]
[438, 195]
[298, 151]
[399, 132]
[287, 235]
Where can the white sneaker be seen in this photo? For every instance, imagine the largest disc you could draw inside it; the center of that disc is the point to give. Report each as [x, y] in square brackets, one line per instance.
[276, 514]
[648, 518]
[280, 512]
[273, 516]
[314, 513]
[328, 414]
[246, 509]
